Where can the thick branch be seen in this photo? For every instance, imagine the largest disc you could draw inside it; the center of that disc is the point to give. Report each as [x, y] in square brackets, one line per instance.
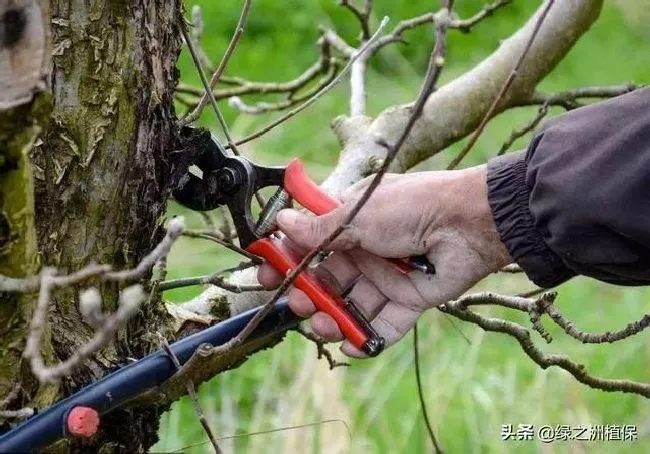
[466, 100]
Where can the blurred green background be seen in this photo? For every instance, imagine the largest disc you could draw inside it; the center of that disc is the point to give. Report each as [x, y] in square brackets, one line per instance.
[471, 389]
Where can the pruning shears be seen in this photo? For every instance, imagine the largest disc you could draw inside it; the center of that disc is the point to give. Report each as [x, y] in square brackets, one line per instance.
[216, 179]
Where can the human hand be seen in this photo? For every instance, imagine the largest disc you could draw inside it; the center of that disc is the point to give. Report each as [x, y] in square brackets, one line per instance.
[443, 215]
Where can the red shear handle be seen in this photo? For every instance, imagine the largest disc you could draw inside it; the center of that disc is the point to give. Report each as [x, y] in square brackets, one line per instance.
[308, 194]
[284, 260]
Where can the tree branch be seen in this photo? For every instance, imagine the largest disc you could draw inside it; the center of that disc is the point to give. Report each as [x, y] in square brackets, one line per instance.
[215, 279]
[464, 25]
[239, 29]
[217, 238]
[362, 15]
[504, 89]
[243, 87]
[570, 99]
[191, 391]
[465, 100]
[90, 305]
[291, 100]
[418, 381]
[528, 127]
[522, 335]
[321, 349]
[318, 95]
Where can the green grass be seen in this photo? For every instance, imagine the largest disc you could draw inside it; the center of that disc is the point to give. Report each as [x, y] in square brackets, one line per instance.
[473, 389]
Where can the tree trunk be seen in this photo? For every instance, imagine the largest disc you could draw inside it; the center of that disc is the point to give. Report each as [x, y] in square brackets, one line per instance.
[101, 179]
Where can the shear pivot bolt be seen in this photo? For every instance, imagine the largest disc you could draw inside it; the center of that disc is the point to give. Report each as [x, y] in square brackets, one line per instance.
[83, 422]
[227, 179]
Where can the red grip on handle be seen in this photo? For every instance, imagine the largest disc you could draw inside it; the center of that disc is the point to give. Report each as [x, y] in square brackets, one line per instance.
[284, 260]
[308, 194]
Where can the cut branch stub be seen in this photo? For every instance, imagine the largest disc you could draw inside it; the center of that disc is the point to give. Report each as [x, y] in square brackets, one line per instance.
[22, 51]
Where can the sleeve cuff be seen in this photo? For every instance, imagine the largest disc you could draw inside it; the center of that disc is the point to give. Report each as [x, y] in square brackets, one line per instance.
[508, 195]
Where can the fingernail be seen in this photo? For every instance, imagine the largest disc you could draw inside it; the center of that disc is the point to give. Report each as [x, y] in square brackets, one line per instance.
[288, 218]
[350, 350]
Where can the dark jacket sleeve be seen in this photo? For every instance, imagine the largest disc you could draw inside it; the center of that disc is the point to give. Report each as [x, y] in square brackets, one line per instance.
[578, 200]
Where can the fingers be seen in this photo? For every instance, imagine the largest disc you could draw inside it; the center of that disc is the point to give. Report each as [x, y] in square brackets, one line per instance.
[365, 296]
[392, 323]
[310, 231]
[326, 327]
[337, 272]
[268, 277]
[389, 281]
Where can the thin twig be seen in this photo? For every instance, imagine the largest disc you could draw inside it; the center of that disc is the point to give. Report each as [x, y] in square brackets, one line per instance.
[318, 95]
[464, 25]
[197, 34]
[504, 89]
[227, 229]
[528, 127]
[196, 113]
[592, 338]
[544, 360]
[569, 99]
[531, 293]
[292, 100]
[191, 391]
[544, 305]
[418, 380]
[269, 431]
[212, 236]
[362, 15]
[243, 87]
[212, 279]
[321, 350]
[130, 299]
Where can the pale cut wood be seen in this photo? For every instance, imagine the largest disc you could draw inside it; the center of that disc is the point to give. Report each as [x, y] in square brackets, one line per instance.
[22, 51]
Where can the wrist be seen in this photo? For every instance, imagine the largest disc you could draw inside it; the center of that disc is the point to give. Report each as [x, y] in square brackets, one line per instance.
[476, 219]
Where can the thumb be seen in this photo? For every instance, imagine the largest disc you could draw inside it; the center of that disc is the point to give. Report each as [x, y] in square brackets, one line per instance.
[309, 231]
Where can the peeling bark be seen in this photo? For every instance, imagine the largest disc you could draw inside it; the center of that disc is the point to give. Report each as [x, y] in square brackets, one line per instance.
[24, 111]
[101, 180]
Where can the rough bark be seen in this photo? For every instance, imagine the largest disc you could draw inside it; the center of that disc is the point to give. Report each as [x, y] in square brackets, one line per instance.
[24, 111]
[101, 179]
